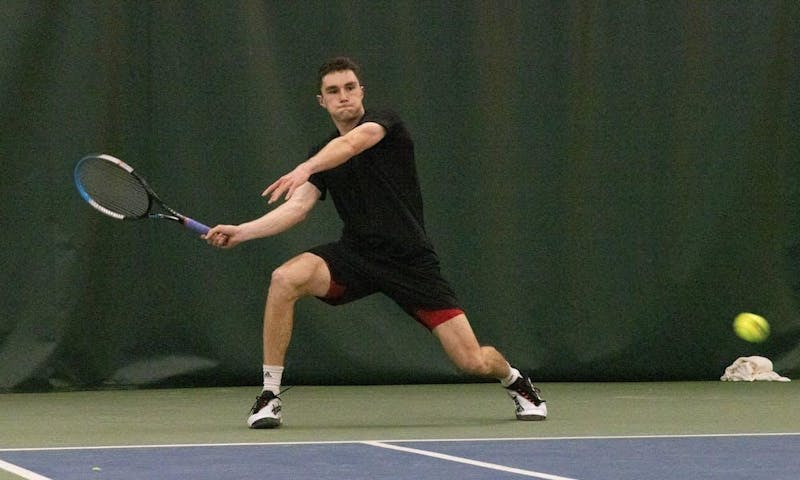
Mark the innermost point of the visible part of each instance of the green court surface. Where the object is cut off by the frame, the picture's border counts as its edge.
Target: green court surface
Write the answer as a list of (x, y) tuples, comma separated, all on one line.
[(402, 412)]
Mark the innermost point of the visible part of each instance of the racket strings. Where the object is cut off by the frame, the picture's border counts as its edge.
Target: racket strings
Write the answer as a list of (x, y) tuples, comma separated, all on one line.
[(113, 188)]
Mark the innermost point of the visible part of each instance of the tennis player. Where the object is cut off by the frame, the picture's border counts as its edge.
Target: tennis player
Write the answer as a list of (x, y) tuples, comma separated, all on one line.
[(367, 167)]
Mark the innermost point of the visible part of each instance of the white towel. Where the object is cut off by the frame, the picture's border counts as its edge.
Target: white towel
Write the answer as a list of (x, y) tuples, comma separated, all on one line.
[(748, 369)]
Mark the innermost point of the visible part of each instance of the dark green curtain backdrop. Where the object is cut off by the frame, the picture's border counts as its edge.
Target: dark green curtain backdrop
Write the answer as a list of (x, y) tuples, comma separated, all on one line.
[(608, 184)]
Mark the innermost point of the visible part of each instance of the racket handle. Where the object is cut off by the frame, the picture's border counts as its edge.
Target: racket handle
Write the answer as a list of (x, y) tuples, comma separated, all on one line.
[(194, 225)]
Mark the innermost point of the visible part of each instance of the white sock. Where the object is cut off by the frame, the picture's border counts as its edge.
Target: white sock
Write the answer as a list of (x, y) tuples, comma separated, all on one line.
[(512, 377), (272, 378)]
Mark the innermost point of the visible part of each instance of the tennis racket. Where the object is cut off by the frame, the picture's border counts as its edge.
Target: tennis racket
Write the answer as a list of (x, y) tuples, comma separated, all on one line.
[(112, 187)]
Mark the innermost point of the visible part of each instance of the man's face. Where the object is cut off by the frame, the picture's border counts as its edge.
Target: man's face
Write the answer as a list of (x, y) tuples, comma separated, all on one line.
[(342, 95)]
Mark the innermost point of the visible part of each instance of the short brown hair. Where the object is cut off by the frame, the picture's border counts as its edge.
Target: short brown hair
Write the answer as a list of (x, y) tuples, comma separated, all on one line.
[(338, 64)]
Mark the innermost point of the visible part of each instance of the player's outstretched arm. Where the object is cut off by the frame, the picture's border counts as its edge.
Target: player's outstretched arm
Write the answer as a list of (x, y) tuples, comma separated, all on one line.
[(282, 218)]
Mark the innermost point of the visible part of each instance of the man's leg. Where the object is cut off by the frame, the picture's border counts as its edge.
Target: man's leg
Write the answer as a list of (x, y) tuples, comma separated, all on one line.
[(304, 275), (461, 345)]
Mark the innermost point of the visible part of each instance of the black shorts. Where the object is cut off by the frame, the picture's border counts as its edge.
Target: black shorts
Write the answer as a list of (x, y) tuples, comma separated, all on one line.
[(414, 282)]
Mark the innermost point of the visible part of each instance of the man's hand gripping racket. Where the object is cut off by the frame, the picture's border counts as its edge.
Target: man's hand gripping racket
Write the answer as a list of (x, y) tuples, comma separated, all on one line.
[(112, 187)]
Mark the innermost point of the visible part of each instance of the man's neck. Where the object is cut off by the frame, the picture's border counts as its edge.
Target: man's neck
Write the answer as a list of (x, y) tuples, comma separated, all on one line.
[(344, 126)]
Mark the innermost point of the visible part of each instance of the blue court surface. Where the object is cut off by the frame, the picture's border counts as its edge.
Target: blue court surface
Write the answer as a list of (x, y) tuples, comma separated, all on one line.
[(750, 457)]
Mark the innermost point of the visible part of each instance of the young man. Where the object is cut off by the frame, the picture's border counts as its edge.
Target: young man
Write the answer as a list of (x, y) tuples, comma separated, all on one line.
[(368, 168)]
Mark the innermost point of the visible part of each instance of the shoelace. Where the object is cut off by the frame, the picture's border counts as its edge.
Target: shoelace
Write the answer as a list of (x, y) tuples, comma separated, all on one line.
[(261, 401), (532, 394)]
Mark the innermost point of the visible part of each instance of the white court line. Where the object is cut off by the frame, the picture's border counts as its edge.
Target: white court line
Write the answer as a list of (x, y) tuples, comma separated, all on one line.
[(19, 471), (397, 440), (474, 463), (28, 475)]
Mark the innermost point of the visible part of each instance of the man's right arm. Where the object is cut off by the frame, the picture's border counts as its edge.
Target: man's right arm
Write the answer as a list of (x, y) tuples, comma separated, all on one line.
[(278, 220)]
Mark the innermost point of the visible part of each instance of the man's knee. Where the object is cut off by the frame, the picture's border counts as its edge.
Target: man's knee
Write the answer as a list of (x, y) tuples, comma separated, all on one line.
[(474, 362), (302, 275), (283, 278)]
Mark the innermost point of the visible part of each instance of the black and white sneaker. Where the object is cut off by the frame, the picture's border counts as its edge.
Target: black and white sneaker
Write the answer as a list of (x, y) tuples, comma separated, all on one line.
[(266, 412), (527, 398)]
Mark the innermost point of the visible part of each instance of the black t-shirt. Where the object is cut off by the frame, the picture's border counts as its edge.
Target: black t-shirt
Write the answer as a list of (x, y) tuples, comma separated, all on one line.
[(377, 193)]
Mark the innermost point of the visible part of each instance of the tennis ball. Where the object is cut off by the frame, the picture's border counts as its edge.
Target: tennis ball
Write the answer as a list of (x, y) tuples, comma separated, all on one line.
[(751, 327)]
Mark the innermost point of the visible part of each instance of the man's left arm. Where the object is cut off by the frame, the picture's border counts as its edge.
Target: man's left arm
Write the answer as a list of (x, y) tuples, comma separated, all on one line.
[(336, 152)]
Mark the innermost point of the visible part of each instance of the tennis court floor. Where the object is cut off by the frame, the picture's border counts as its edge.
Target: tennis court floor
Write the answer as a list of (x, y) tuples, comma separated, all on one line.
[(692, 430)]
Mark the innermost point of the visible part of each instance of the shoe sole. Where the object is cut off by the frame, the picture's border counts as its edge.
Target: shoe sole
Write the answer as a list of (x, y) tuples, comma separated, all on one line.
[(531, 418), (263, 423)]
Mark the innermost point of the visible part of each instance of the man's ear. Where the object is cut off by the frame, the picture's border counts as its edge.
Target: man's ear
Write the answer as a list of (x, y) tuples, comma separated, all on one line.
[(319, 101)]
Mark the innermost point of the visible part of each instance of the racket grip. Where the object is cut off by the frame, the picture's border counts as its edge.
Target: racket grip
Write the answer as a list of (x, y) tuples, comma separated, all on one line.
[(196, 226)]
